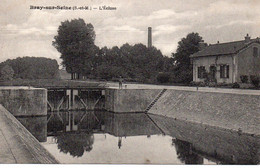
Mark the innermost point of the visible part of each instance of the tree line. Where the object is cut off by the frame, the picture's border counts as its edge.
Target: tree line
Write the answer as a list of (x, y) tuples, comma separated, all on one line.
[(76, 43), (131, 62), (29, 68)]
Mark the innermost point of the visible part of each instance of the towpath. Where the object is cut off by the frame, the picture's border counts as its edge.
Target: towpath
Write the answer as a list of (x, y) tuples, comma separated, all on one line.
[(200, 89), (17, 145)]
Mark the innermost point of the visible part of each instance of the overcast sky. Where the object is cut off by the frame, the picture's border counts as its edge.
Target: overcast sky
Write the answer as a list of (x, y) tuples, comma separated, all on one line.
[(25, 32)]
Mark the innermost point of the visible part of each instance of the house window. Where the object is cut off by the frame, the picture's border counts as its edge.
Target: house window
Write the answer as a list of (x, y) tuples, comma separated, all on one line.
[(255, 51), (201, 72), (224, 71)]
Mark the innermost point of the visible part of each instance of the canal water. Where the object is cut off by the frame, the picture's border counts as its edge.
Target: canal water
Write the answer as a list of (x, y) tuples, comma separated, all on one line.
[(105, 137)]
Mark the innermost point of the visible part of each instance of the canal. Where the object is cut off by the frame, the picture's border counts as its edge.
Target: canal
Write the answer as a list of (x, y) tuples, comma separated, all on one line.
[(96, 136)]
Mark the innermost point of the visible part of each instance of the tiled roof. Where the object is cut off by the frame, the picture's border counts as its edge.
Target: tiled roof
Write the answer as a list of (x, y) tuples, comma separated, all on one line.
[(223, 48)]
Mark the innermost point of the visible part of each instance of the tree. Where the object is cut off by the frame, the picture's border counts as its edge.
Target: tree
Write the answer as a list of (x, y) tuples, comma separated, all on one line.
[(7, 73), (145, 63), (186, 47), (75, 42)]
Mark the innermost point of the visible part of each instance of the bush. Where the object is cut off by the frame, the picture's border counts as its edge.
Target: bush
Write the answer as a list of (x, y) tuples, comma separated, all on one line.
[(193, 83), (255, 80), (163, 77), (223, 84), (212, 84), (183, 76), (199, 84), (235, 85), (244, 78), (202, 84)]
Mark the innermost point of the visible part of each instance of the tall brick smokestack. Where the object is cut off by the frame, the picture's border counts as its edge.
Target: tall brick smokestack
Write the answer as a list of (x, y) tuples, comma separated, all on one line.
[(149, 37)]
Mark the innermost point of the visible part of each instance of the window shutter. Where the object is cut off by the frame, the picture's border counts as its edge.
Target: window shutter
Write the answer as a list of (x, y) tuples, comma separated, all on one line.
[(227, 66), (198, 72), (221, 71)]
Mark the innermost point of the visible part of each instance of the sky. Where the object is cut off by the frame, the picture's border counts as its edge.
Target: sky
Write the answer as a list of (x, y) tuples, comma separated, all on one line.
[(30, 32)]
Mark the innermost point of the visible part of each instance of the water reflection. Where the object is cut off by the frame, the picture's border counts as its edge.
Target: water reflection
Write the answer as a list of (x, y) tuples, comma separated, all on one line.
[(75, 143), (185, 152), (76, 134), (73, 131), (37, 126), (73, 122), (130, 124), (218, 145)]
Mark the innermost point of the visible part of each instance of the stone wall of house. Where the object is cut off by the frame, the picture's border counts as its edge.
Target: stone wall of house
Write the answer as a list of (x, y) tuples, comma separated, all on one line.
[(247, 63), (213, 60)]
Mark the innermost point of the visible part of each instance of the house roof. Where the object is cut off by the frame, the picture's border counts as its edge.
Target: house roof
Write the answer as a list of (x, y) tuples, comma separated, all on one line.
[(223, 48)]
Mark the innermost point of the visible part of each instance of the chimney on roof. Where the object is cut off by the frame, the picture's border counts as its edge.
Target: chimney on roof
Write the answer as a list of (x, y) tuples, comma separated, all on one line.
[(149, 37), (202, 45), (247, 38)]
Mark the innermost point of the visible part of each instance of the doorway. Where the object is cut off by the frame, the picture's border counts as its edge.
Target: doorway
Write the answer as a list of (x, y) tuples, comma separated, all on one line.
[(213, 71)]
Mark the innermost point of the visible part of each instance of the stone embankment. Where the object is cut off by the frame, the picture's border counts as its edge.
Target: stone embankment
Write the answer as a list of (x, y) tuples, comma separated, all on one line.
[(129, 100), (233, 110), (18, 145)]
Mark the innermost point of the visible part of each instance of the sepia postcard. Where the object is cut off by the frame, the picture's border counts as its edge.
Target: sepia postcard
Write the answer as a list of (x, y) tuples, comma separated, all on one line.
[(168, 82)]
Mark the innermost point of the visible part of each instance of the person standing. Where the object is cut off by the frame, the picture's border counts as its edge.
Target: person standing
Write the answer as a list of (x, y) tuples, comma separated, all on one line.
[(120, 82)]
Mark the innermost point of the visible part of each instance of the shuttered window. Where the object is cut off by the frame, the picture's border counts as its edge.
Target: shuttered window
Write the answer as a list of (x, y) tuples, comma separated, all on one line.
[(224, 71), (201, 72)]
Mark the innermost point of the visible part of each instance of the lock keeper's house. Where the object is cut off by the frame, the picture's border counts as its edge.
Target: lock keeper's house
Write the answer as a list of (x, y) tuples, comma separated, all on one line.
[(226, 62)]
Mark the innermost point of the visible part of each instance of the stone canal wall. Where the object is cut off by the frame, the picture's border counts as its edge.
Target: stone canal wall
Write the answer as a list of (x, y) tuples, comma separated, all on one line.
[(24, 101), (226, 108), (18, 145), (129, 100), (235, 111)]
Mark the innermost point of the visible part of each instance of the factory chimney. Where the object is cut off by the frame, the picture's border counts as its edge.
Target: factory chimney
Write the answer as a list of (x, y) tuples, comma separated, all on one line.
[(149, 37)]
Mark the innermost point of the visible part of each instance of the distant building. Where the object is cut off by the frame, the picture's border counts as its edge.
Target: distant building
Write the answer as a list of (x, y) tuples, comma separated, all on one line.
[(75, 76), (63, 74), (226, 62)]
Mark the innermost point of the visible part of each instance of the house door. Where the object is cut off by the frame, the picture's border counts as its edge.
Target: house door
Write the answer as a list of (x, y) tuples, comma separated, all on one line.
[(213, 71)]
